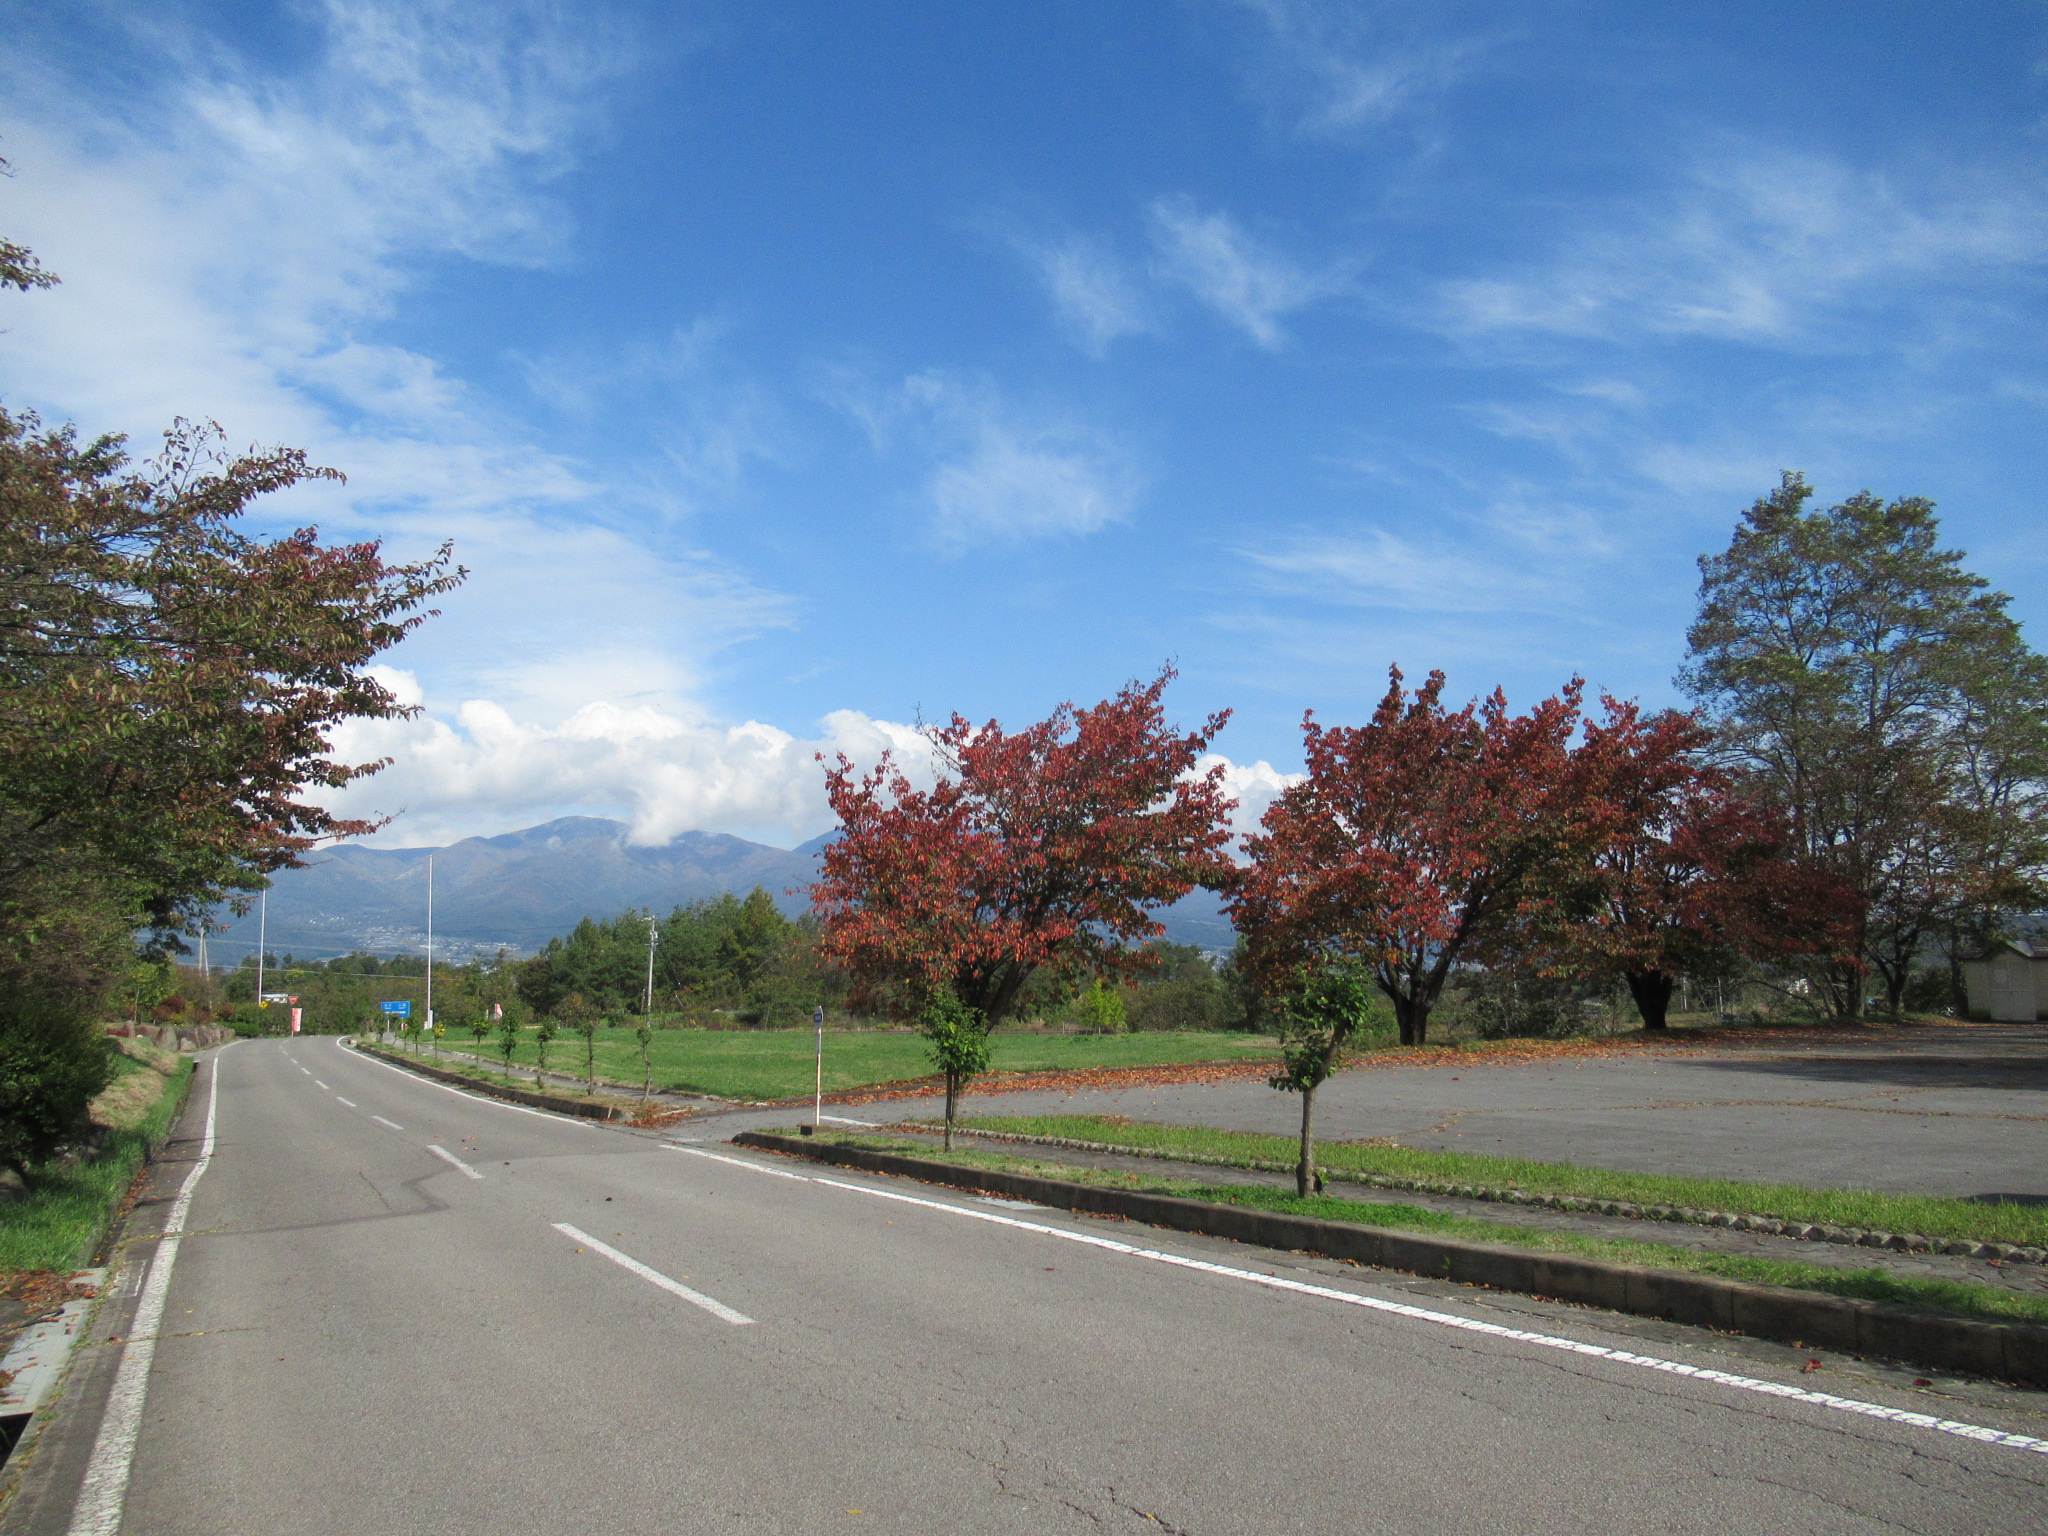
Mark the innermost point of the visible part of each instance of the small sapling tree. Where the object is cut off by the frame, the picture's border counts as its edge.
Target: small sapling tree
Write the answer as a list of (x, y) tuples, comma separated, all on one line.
[(584, 1021), (959, 1047), (1103, 1008), (508, 1040), (1317, 1020), (544, 1031), (480, 1027)]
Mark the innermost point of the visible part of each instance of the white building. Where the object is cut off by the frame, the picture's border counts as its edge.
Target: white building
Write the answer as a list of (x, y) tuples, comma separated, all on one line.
[(2009, 981)]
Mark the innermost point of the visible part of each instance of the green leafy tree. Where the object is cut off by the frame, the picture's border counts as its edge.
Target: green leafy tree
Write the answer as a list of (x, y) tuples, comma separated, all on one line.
[(1318, 1019), (959, 1044), (479, 1027), (1103, 1008), (508, 1040), (1879, 695)]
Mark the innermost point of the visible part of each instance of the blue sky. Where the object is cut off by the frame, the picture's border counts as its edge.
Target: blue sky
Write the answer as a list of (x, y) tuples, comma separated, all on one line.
[(786, 371)]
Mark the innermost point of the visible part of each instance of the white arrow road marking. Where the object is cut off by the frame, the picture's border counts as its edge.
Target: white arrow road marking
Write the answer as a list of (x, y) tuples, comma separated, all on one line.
[(449, 1157), (655, 1276)]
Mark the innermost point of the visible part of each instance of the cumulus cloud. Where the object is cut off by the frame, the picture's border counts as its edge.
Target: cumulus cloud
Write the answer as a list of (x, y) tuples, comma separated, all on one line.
[(1249, 286)]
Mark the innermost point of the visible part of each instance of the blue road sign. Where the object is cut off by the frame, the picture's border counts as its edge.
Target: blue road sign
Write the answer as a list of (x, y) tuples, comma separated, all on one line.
[(403, 1010)]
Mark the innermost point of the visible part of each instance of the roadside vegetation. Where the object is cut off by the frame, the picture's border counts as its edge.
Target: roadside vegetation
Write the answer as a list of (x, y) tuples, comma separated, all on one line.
[(71, 1201), (1865, 1284), (2002, 1222), (763, 1064)]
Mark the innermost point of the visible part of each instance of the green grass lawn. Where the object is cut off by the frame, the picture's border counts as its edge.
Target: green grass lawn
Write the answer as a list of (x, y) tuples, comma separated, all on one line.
[(61, 1222), (2021, 1225), (1867, 1284), (777, 1063)]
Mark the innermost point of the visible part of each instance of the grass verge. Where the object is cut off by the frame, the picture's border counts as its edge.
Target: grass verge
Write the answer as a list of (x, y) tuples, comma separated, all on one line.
[(757, 1064), (2002, 1222), (64, 1219), (1867, 1284)]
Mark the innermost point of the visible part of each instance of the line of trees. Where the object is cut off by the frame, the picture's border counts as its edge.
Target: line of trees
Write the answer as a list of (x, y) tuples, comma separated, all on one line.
[(1856, 799), (168, 684)]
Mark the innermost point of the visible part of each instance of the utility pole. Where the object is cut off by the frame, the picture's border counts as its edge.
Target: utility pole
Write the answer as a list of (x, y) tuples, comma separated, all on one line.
[(430, 943), (262, 942), (818, 1099), (653, 938)]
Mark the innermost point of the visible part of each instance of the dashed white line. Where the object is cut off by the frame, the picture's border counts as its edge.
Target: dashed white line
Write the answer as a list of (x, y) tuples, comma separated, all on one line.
[(323, 1085), (105, 1490), (1827, 1400), (655, 1276), (351, 1103), (738, 1162), (449, 1157), (392, 1123)]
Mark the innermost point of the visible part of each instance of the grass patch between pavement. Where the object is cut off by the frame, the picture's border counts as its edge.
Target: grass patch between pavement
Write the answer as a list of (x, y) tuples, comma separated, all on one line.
[(756, 1064), (60, 1223), (1928, 1215), (1866, 1284)]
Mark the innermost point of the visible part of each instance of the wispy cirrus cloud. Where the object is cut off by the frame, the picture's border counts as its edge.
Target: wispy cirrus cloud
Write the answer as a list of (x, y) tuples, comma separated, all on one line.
[(1092, 291), (1766, 248), (1245, 282), (1000, 471), (1339, 67)]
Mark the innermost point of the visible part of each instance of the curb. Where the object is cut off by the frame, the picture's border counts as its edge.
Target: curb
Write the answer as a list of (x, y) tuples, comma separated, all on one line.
[(579, 1107), (1774, 1226), (2016, 1352)]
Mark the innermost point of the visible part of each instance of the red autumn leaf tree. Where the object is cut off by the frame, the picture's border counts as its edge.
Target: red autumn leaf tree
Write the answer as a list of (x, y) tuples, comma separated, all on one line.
[(1413, 840), (1045, 848), (1687, 870)]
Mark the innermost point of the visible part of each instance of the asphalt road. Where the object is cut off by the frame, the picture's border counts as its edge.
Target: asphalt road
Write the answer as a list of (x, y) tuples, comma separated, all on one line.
[(359, 1335), (1961, 1111)]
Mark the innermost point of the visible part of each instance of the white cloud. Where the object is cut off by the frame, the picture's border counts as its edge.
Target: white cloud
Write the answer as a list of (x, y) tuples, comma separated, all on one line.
[(1764, 248), (1252, 288), (1343, 67), (1376, 568), (1000, 471), (231, 246), (1254, 786), (1090, 290)]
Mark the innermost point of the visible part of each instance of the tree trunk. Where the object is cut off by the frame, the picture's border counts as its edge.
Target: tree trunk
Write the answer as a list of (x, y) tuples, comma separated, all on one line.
[(1305, 1172), (1412, 1014), (1652, 992), (952, 1093)]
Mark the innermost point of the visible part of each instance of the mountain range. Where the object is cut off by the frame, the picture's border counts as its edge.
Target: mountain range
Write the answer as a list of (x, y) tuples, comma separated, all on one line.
[(517, 890)]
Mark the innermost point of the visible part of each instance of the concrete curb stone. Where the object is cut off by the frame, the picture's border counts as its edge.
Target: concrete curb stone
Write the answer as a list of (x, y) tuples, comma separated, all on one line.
[(579, 1107), (2016, 1352), (1904, 1242)]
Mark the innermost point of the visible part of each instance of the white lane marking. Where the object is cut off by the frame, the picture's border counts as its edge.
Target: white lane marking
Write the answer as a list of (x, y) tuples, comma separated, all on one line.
[(351, 1103), (321, 1084), (474, 1098), (842, 1120), (1493, 1330), (392, 1123), (739, 1162), (303, 1069), (449, 1157), (105, 1490), (656, 1277)]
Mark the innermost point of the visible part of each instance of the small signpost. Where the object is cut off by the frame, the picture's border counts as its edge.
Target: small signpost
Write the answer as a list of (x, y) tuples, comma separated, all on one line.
[(401, 1009), (818, 1101)]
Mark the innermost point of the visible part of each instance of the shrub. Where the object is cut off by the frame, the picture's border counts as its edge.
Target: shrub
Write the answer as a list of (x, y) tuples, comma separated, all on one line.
[(53, 1060)]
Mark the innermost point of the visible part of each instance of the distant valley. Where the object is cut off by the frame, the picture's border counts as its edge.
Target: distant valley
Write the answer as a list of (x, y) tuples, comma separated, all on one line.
[(518, 890)]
